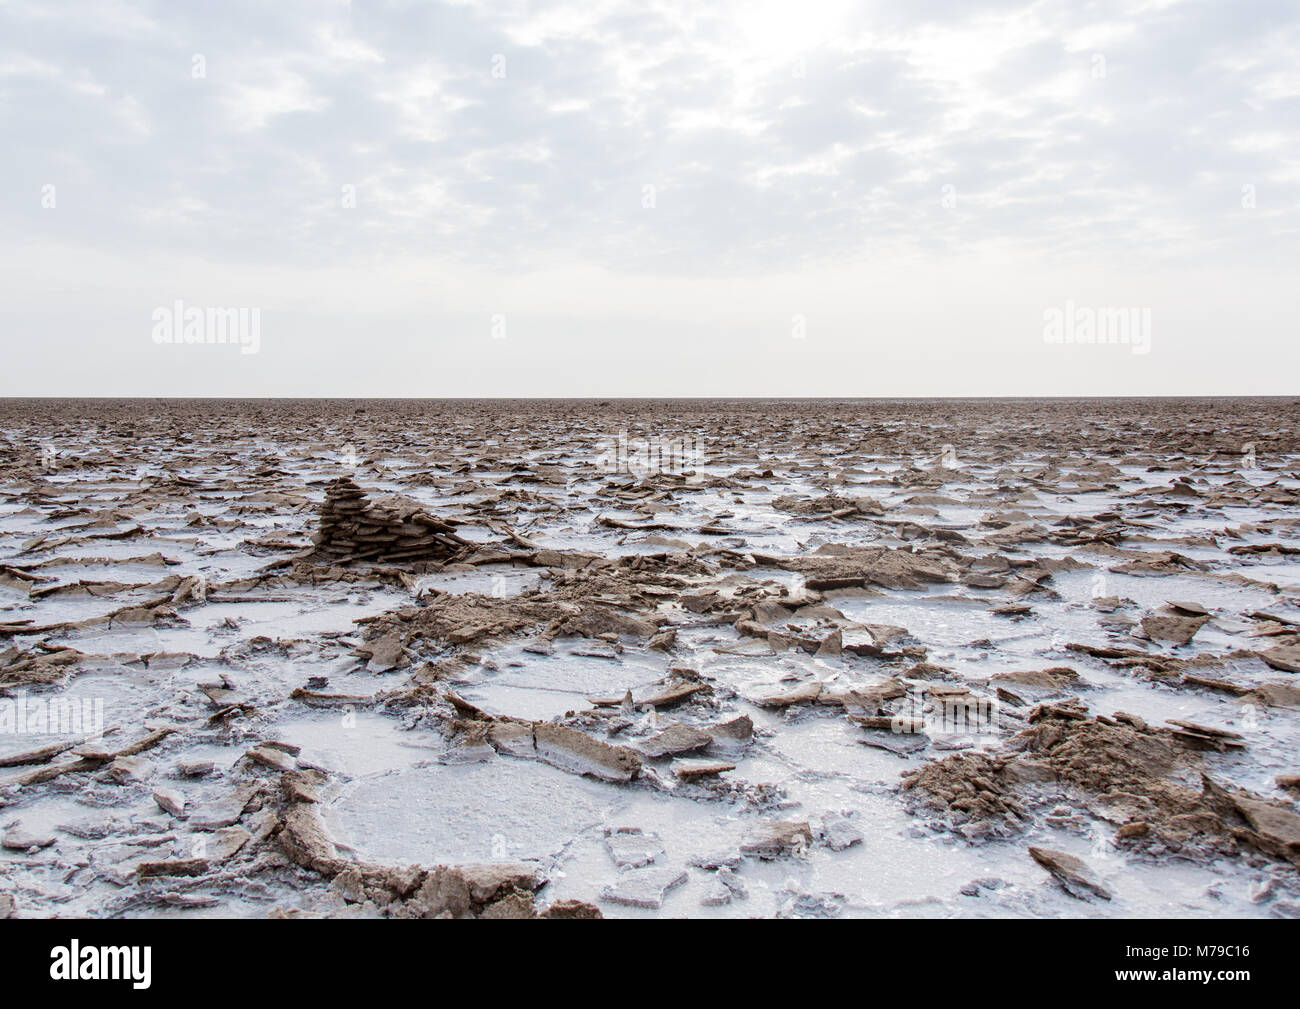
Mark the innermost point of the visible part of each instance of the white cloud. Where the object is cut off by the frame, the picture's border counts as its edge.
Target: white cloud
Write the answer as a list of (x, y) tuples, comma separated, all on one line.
[(783, 144)]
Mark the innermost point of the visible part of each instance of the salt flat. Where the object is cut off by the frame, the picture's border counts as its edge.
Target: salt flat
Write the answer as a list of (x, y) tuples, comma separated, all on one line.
[(681, 658)]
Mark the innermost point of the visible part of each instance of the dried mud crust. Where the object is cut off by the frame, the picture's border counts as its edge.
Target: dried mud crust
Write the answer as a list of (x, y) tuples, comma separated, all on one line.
[(1125, 771), (745, 641)]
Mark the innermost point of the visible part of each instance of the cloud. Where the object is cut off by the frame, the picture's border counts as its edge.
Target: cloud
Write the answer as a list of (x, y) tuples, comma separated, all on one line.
[(672, 140)]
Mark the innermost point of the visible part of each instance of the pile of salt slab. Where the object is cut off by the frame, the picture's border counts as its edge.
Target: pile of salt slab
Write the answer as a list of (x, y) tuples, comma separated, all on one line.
[(389, 528)]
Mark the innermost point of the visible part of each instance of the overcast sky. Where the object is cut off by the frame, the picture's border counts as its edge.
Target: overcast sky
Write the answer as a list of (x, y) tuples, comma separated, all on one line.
[(810, 198)]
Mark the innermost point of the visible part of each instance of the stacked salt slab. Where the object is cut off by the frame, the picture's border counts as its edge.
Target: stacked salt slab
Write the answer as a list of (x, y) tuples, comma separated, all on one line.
[(389, 528)]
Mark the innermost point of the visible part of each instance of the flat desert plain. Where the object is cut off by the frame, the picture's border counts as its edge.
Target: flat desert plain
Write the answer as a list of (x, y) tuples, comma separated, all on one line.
[(1000, 658)]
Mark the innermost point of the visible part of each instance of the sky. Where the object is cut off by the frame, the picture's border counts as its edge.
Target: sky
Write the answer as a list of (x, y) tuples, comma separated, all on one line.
[(758, 198)]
